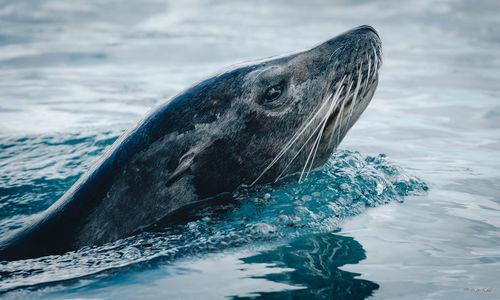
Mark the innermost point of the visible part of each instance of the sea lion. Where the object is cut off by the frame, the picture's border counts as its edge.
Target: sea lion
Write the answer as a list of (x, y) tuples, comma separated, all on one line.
[(253, 123)]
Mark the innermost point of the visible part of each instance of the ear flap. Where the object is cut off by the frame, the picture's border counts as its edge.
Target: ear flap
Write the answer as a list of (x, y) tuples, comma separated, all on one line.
[(183, 167)]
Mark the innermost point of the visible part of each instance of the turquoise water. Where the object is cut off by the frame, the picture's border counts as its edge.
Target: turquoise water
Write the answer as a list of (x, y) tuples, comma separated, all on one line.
[(407, 208)]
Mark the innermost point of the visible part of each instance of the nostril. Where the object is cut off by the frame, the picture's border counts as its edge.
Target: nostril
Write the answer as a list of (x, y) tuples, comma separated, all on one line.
[(368, 28)]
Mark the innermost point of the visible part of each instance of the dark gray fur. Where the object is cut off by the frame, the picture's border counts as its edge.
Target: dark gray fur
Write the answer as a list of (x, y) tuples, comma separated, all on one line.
[(210, 139)]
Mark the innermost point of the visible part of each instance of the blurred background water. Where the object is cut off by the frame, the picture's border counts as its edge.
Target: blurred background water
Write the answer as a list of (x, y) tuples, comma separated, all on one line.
[(407, 209)]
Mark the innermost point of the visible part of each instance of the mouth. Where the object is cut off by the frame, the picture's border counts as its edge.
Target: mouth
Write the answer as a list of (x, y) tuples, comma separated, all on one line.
[(333, 116), (333, 120), (355, 90), (351, 64)]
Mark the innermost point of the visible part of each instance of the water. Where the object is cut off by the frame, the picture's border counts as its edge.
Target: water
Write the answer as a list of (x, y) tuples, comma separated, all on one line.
[(407, 208)]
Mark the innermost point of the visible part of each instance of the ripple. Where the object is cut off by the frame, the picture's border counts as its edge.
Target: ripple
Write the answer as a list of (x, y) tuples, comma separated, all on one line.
[(347, 185), (55, 163)]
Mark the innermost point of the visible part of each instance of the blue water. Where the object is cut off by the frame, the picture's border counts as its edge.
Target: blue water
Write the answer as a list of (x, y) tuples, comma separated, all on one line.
[(407, 208)]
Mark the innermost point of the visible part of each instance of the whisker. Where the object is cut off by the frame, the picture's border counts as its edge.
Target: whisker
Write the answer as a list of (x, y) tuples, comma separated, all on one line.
[(318, 126), (320, 116), (319, 135), (294, 138), (377, 59), (368, 73), (337, 123), (340, 122), (340, 111), (353, 102), (351, 108), (317, 145), (325, 119)]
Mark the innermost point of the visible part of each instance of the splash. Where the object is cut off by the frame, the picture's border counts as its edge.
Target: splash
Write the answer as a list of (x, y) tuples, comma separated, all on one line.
[(346, 186)]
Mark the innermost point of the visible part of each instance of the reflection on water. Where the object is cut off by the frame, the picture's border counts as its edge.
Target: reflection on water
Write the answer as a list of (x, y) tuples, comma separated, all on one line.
[(305, 268), (75, 75), (315, 261), (348, 185)]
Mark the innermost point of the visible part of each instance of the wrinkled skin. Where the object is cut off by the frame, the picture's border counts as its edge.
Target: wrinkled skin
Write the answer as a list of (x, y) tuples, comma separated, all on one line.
[(224, 132)]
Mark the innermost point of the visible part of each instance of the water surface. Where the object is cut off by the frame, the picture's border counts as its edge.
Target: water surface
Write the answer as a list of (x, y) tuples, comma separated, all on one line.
[(408, 208)]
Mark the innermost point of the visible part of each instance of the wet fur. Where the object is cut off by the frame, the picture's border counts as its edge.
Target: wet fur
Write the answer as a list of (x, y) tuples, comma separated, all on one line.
[(210, 139)]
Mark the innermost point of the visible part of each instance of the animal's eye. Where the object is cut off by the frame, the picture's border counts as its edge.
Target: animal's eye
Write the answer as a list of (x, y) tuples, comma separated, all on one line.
[(273, 96), (273, 93)]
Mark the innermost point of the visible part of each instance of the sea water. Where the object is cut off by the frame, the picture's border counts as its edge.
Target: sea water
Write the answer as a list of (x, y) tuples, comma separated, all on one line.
[(406, 208)]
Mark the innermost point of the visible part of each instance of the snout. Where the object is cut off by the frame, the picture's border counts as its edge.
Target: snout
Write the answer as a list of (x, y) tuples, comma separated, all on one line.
[(364, 34), (348, 45), (365, 29)]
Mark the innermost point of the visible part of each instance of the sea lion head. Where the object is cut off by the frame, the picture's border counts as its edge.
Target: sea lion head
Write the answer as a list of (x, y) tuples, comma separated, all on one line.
[(285, 114)]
